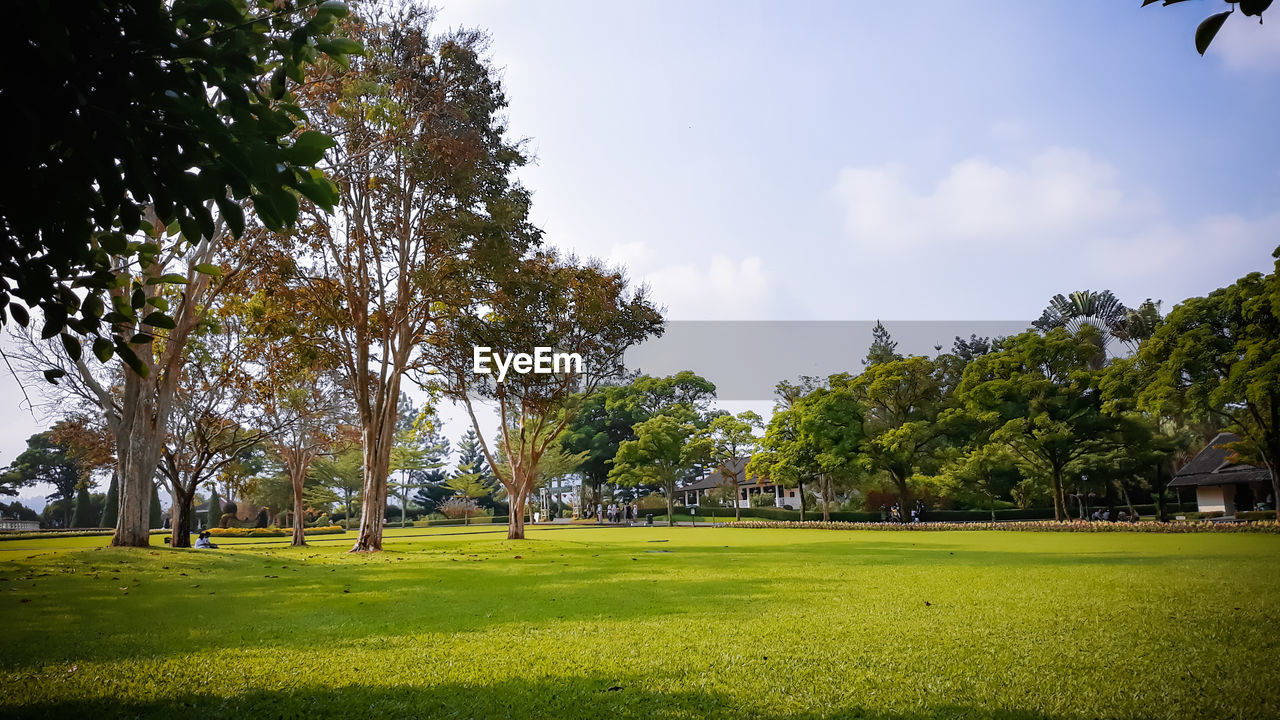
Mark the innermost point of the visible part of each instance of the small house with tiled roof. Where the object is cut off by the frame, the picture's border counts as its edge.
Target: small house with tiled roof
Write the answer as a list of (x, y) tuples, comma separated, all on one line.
[(1221, 484)]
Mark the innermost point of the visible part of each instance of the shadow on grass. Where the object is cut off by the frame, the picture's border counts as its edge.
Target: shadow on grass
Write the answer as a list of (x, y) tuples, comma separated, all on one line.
[(573, 697)]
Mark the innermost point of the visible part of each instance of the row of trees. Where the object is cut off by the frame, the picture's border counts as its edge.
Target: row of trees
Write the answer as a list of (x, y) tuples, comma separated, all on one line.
[(1049, 412), (370, 234)]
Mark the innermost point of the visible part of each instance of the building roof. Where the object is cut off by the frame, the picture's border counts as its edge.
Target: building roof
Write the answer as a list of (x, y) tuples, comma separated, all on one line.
[(715, 479), (1213, 466)]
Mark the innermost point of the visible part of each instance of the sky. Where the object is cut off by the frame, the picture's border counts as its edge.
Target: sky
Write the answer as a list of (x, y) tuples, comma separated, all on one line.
[(859, 160)]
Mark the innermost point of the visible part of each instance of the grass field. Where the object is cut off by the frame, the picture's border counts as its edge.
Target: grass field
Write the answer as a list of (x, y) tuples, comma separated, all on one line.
[(648, 622)]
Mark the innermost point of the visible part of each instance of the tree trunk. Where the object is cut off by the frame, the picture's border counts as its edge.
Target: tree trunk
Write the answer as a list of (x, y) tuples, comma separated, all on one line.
[(377, 459), (515, 517), (299, 517), (137, 466), (180, 521), (800, 484), (737, 509), (1059, 501)]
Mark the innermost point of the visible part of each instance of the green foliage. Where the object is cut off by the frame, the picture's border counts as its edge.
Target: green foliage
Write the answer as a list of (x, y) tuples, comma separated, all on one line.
[(883, 347), (83, 514), (112, 506), (164, 107), (44, 462), (213, 516), (665, 449), (1218, 358)]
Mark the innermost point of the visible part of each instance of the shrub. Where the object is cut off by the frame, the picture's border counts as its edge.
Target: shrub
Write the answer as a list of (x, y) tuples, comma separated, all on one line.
[(273, 531), (1253, 515), (1084, 526), (228, 520)]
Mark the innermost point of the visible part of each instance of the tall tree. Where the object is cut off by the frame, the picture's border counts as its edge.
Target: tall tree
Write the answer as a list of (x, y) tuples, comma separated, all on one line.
[(905, 404), (1039, 397), (144, 115), (111, 507), (666, 448), (342, 473), (427, 207), (49, 463), (587, 311), (1100, 310), (1218, 357), (733, 440), (883, 347)]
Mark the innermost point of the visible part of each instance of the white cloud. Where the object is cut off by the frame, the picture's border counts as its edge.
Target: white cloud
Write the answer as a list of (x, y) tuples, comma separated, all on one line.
[(983, 237), (1244, 44), (718, 288)]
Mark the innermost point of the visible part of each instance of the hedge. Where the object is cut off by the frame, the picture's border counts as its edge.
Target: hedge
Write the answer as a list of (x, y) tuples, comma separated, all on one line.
[(1082, 526), (272, 531), (847, 516)]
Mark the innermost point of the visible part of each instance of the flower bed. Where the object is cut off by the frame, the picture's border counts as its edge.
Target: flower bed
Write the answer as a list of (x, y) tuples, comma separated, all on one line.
[(273, 531), (1262, 526)]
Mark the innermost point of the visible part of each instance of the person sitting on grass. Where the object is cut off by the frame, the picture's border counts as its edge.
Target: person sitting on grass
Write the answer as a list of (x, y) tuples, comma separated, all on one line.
[(204, 543)]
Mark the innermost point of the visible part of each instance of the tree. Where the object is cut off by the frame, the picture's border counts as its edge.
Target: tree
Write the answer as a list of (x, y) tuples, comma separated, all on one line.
[(608, 417), (665, 449), (988, 470), (427, 208), (49, 463), (832, 428), (342, 473), (883, 347), (82, 516), (154, 516), (215, 418), (905, 417), (584, 310), (733, 437), (213, 516), (1039, 398), (1102, 311), (111, 507), (1218, 357), (1208, 28), (137, 116)]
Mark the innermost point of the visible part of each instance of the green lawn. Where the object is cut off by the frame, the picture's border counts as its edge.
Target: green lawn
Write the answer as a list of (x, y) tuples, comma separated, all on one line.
[(648, 622)]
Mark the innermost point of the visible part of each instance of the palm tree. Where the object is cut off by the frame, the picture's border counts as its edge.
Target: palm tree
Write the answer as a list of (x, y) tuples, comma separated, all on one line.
[(1101, 310)]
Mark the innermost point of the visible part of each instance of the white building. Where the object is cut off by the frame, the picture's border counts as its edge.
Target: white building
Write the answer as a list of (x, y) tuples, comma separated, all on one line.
[(748, 487), (1222, 485)]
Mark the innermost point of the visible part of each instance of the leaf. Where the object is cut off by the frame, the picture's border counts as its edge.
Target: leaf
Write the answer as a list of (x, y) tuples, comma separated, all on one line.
[(131, 359), (1209, 29), (103, 348), (209, 269), (339, 46), (114, 243), (1254, 7), (19, 313), (233, 214), (91, 307), (160, 320), (71, 345), (168, 279), (53, 374), (141, 339), (309, 148)]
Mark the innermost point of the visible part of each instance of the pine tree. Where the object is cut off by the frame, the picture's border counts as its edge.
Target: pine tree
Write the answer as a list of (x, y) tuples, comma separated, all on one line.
[(471, 458), (883, 347), (214, 516), (112, 509), (82, 517), (156, 515)]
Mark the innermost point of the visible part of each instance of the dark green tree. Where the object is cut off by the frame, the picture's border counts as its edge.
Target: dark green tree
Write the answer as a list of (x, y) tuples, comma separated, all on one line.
[(111, 508), (82, 515), (147, 109), (156, 518), (214, 516), (883, 347), (47, 462)]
